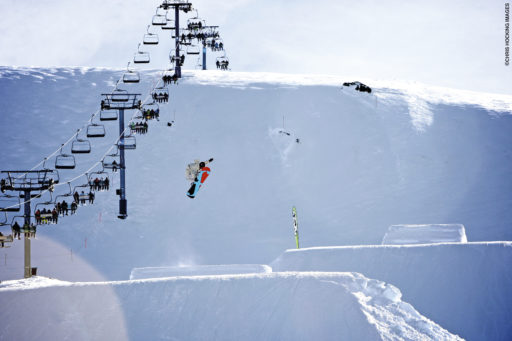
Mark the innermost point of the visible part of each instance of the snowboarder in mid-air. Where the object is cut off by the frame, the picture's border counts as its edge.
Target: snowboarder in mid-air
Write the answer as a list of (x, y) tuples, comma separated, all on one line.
[(197, 172)]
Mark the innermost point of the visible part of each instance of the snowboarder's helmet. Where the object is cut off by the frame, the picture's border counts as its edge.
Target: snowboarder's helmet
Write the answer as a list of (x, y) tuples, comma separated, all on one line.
[(201, 164)]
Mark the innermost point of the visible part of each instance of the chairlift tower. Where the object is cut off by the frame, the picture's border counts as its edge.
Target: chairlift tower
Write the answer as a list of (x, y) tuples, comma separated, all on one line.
[(178, 6), (26, 182), (213, 28), (204, 55), (121, 101)]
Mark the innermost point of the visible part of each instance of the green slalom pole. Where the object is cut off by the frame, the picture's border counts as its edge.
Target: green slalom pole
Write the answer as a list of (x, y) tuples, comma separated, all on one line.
[(295, 226)]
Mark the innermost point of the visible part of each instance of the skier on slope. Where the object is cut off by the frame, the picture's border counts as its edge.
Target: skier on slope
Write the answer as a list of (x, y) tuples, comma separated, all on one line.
[(197, 172)]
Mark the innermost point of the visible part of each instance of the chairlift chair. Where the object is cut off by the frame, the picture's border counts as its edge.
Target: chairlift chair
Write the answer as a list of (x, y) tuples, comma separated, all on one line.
[(138, 116), (48, 205), (64, 161), (95, 130), (169, 25), (220, 44), (65, 195), (111, 161), (193, 50), (10, 203), (160, 93), (151, 106), (47, 178), (138, 127), (78, 189), (223, 60), (98, 175), (211, 32), (80, 146), (119, 95), (20, 219), (48, 216), (159, 19), (195, 23), (6, 239), (151, 38), (172, 54), (151, 110), (108, 115), (129, 142), (208, 41), (169, 76), (169, 72), (172, 57), (141, 57), (183, 32), (131, 76)]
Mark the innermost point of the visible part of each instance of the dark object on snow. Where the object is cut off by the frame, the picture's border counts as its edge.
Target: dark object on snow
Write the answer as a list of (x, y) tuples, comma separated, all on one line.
[(359, 86)]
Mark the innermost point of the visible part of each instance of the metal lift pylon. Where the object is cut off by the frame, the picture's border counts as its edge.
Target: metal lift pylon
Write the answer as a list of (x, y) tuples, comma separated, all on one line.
[(28, 181), (121, 103), (178, 6)]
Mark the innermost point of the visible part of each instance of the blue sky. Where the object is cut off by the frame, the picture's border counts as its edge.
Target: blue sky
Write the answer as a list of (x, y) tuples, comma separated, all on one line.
[(453, 43)]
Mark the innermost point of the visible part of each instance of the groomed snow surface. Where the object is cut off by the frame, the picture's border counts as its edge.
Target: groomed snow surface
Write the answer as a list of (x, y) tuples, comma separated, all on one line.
[(198, 270), (425, 234), (463, 287), (272, 306), (353, 164)]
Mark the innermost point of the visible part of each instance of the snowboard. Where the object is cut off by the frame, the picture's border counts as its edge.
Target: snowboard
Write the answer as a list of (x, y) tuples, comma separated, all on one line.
[(198, 182)]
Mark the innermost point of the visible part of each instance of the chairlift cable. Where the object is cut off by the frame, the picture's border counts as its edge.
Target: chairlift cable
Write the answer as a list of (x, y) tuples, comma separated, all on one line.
[(115, 143), (71, 180), (65, 143), (72, 138), (75, 178), (155, 85)]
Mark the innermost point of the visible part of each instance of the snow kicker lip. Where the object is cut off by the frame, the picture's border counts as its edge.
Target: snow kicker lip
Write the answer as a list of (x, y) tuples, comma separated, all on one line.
[(305, 305)]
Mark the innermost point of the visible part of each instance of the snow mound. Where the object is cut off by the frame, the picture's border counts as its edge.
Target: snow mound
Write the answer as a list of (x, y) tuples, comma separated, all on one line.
[(465, 287), (197, 270), (425, 234), (280, 306), (30, 283)]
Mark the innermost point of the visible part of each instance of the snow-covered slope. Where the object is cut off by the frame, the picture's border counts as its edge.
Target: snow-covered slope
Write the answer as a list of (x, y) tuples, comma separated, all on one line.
[(463, 287), (402, 155), (279, 306), (352, 163)]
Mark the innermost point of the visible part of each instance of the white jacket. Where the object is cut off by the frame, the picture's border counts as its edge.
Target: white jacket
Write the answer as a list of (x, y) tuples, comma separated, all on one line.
[(193, 169)]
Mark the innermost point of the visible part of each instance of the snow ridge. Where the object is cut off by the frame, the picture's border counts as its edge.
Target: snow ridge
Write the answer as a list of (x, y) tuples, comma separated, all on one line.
[(403, 154), (285, 306)]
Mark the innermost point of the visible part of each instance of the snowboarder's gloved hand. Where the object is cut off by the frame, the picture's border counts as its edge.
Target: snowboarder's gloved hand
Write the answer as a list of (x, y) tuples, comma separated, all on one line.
[(210, 160)]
